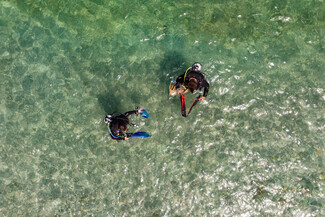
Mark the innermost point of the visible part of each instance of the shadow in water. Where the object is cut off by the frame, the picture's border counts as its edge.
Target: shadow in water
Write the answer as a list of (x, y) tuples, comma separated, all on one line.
[(171, 66), (109, 102), (113, 103)]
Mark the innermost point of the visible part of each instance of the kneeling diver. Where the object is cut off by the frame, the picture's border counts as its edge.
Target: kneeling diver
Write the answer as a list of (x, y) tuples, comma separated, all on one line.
[(117, 125), (191, 80)]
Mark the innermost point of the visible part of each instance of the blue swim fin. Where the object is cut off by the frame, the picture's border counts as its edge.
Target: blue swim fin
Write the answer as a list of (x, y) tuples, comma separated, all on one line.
[(144, 113), (140, 134)]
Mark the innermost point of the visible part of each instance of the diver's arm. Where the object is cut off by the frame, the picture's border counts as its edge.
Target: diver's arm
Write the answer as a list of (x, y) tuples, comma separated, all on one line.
[(179, 81), (206, 85), (131, 113), (128, 135)]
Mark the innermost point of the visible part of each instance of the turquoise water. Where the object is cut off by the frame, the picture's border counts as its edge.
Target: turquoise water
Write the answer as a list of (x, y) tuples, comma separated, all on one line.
[(254, 148)]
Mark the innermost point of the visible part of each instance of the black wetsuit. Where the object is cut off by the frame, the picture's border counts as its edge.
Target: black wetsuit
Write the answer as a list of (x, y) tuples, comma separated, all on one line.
[(201, 82), (120, 120)]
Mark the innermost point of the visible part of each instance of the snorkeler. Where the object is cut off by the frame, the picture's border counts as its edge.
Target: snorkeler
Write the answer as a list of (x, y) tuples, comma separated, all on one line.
[(191, 80), (117, 126)]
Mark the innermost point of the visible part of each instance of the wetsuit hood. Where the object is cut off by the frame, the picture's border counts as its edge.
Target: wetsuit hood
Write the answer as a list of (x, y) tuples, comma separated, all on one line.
[(196, 67)]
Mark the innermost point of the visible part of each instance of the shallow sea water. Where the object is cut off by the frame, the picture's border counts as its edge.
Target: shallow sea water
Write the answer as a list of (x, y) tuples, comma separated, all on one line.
[(254, 148)]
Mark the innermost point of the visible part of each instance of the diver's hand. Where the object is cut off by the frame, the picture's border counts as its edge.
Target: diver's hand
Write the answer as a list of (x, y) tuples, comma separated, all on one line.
[(139, 110), (202, 98), (126, 138)]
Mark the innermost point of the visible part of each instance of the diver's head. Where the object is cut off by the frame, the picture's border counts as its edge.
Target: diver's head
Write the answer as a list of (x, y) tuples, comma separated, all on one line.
[(196, 67), (122, 128), (192, 85), (108, 119)]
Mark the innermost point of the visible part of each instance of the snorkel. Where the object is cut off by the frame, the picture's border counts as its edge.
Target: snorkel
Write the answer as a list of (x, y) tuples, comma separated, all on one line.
[(108, 119)]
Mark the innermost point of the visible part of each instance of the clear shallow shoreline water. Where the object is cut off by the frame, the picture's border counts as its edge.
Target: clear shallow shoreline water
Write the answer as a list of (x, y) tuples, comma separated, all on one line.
[(255, 148)]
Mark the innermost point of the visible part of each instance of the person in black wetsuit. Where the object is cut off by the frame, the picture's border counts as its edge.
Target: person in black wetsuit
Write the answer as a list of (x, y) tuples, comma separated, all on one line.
[(191, 80), (118, 125), (194, 80)]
